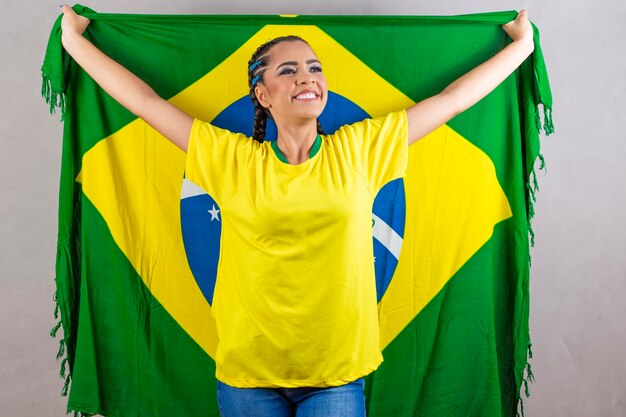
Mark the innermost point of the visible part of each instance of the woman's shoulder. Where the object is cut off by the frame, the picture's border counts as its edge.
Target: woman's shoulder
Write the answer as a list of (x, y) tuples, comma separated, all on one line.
[(221, 141), (204, 128), (207, 130), (368, 126)]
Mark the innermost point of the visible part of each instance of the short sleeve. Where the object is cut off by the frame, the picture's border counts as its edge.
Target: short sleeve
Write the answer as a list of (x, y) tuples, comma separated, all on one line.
[(217, 158), (376, 147)]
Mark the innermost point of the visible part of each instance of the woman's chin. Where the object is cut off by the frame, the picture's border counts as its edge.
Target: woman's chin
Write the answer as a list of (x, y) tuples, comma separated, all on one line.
[(302, 113), (312, 112)]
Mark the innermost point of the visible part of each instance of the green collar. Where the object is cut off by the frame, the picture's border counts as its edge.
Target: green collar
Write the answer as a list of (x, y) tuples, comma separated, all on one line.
[(314, 149)]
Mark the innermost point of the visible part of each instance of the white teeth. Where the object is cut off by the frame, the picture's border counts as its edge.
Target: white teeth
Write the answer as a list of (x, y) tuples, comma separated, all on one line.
[(305, 96)]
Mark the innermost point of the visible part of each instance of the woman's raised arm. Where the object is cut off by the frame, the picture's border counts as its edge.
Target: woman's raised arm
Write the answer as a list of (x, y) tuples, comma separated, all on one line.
[(124, 86), (429, 114)]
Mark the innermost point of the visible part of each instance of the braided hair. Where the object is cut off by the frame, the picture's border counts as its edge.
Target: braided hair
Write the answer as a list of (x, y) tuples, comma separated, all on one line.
[(256, 69)]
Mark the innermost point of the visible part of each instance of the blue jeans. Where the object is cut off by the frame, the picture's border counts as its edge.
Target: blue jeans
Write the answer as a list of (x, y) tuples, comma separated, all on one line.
[(343, 401)]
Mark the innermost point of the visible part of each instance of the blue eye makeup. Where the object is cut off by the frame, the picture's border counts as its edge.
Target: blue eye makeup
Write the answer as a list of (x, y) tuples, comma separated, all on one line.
[(292, 70)]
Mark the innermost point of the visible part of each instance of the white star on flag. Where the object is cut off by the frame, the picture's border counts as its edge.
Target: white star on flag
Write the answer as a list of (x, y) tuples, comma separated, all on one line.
[(214, 212)]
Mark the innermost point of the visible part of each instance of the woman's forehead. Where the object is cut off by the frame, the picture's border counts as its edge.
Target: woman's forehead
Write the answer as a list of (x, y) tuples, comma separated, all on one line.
[(291, 51)]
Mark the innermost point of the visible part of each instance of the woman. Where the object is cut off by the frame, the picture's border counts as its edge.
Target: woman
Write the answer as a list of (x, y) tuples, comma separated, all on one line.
[(295, 301)]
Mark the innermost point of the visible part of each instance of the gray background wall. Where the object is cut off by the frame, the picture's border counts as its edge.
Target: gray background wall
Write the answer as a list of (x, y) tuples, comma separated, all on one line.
[(578, 288)]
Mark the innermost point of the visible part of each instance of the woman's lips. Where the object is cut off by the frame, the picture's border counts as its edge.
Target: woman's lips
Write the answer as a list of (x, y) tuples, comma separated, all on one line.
[(306, 96)]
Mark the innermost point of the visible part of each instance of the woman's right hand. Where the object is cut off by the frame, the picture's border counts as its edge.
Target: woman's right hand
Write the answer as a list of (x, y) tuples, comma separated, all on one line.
[(72, 24)]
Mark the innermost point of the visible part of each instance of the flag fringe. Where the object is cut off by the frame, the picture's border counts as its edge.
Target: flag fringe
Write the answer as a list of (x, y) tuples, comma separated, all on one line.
[(532, 185), (76, 413), (54, 98), (530, 377), (62, 352), (548, 126)]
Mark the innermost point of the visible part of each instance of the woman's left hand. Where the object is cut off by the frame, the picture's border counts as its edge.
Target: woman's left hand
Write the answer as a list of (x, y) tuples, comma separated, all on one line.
[(520, 29)]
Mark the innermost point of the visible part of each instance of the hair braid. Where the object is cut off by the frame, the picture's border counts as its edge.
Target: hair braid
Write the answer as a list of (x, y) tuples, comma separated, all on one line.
[(256, 68)]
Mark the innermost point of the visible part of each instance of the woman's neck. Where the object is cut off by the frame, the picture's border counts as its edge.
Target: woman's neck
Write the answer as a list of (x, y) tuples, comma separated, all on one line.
[(295, 141)]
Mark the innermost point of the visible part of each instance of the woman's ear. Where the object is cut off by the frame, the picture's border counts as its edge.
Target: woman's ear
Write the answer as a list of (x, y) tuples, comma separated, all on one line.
[(261, 94)]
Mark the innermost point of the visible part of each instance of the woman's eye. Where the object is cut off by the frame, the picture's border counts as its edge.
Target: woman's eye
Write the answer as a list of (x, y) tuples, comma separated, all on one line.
[(286, 71)]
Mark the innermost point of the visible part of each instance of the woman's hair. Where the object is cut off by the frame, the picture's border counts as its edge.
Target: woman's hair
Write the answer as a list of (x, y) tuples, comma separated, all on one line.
[(256, 68)]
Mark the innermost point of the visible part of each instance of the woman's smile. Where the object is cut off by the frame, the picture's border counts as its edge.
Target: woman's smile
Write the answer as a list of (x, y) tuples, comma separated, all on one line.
[(307, 95)]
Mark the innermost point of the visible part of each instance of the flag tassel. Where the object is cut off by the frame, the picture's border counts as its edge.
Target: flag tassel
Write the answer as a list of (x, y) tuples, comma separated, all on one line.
[(530, 377), (62, 352), (521, 405), (548, 126), (55, 99)]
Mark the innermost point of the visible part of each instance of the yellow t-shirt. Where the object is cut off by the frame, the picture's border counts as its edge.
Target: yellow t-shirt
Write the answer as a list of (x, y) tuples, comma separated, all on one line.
[(295, 296)]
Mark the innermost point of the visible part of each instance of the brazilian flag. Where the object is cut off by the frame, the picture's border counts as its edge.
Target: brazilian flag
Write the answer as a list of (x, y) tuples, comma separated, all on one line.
[(138, 244)]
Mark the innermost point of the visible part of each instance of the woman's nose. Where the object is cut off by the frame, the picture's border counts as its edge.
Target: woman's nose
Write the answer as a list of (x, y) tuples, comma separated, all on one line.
[(305, 79)]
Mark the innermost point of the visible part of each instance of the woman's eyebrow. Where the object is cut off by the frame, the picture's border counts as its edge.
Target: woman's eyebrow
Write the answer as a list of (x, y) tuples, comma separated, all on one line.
[(310, 61)]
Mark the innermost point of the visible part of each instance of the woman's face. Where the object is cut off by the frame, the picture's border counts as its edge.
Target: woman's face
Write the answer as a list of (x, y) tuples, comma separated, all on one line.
[(293, 86)]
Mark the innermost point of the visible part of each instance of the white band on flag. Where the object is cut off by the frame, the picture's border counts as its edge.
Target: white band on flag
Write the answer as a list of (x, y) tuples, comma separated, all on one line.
[(189, 189), (387, 236)]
